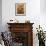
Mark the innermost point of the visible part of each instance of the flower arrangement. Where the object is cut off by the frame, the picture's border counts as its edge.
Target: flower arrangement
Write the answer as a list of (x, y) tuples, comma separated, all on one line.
[(40, 34)]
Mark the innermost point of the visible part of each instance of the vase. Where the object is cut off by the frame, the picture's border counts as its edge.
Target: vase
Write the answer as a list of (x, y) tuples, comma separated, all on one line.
[(41, 43)]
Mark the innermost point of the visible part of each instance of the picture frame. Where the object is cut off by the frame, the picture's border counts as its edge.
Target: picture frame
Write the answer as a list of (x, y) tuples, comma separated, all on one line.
[(20, 9)]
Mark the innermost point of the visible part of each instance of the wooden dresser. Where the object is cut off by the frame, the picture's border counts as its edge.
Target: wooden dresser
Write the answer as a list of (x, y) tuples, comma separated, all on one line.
[(22, 33)]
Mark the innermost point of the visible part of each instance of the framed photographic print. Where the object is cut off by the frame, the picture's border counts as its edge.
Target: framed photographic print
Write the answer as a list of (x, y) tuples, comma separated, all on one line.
[(20, 9)]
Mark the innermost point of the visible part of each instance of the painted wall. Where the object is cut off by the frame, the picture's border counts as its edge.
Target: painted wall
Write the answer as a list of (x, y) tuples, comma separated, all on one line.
[(43, 6), (43, 14), (0, 15), (33, 13)]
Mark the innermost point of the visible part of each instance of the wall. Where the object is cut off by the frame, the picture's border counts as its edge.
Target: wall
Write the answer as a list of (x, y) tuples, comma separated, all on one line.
[(43, 14), (33, 13), (0, 15), (43, 6)]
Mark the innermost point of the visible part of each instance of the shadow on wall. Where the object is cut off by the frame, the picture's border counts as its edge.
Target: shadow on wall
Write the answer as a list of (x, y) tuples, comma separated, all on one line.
[(43, 6), (0, 15)]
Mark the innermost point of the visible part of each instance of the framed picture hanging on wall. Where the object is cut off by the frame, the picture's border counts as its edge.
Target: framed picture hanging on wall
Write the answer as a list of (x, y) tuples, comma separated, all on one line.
[(20, 9)]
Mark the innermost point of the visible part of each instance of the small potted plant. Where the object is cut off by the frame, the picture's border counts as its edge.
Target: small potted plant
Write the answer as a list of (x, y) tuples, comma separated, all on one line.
[(41, 36)]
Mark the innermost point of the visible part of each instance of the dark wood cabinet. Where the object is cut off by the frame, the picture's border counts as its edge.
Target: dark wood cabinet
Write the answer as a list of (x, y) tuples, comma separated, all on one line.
[(22, 33)]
